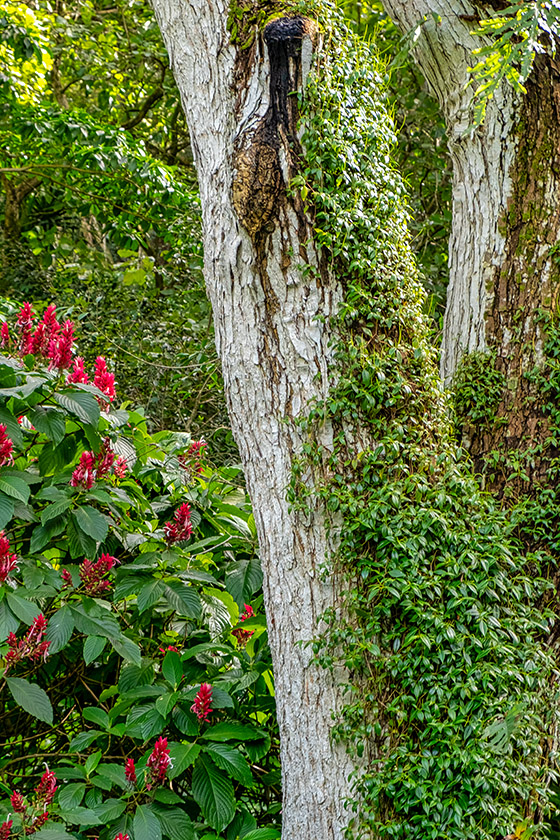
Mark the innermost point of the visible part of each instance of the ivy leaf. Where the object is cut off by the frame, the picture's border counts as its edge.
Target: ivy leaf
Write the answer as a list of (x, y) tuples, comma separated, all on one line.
[(146, 825), (229, 759), (31, 698), (83, 405), (60, 629), (214, 793), (91, 522)]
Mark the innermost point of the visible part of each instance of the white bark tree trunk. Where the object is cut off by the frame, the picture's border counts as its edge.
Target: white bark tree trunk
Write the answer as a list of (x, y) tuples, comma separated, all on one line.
[(274, 352), (481, 164), (504, 274)]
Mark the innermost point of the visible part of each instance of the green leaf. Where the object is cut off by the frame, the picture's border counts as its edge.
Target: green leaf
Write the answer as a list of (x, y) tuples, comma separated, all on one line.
[(97, 716), (182, 756), (8, 622), (150, 594), (126, 648), (168, 797), (60, 629), (53, 834), (91, 522), (49, 421), (12, 426), (70, 796), (84, 740), (93, 647), (80, 403), (31, 698), (113, 772), (15, 487), (244, 579), (79, 543), (109, 810), (26, 611), (262, 834), (183, 599), (214, 793), (174, 822), (80, 816), (233, 731), (146, 825), (229, 759), (93, 624), (172, 668), (6, 510), (55, 510)]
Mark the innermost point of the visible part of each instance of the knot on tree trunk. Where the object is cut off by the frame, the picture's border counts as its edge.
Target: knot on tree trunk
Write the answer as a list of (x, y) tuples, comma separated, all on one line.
[(266, 160)]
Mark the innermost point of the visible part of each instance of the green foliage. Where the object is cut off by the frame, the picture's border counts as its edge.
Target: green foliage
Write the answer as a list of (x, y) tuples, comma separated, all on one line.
[(440, 627), (518, 32), (138, 616), (477, 389)]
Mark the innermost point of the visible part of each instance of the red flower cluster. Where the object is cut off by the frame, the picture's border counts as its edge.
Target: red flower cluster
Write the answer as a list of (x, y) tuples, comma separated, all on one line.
[(18, 802), (192, 458), (5, 829), (181, 528), (202, 705), (122, 837), (240, 634), (169, 647), (105, 381), (31, 646), (66, 577), (49, 339), (130, 771), (8, 562), (78, 372), (6, 447), (46, 789), (158, 764), (92, 574), (37, 823), (93, 467)]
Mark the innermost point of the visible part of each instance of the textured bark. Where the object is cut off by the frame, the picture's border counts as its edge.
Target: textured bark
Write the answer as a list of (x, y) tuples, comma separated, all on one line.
[(503, 268), (274, 350)]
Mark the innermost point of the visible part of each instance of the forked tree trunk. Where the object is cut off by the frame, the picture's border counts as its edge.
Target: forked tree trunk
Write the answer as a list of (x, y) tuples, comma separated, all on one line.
[(272, 333), (504, 268)]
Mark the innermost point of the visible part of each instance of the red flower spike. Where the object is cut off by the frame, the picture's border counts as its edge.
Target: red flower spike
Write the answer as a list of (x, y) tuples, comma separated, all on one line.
[(105, 381), (4, 335), (6, 829), (47, 787), (78, 372), (8, 562), (122, 837), (60, 351), (67, 578), (130, 771), (18, 802), (37, 823), (6, 447), (92, 574), (202, 705), (180, 528), (158, 764), (24, 326), (120, 467)]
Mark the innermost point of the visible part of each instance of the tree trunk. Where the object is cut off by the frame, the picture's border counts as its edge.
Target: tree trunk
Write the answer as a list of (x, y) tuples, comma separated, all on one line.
[(272, 333), (504, 269)]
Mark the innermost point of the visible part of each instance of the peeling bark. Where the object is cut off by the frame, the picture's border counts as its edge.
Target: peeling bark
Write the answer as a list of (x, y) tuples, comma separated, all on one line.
[(272, 333)]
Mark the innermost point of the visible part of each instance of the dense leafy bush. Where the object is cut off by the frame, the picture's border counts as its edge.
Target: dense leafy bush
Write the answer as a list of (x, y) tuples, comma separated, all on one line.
[(136, 682)]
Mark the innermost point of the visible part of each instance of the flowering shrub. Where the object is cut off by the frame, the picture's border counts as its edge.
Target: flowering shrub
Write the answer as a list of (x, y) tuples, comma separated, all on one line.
[(125, 566)]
